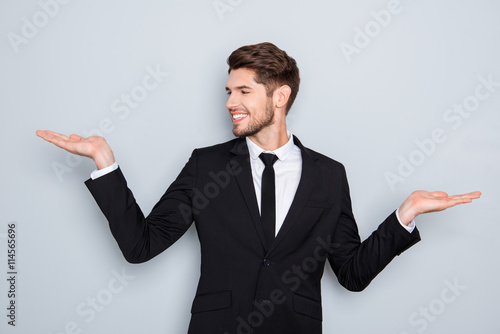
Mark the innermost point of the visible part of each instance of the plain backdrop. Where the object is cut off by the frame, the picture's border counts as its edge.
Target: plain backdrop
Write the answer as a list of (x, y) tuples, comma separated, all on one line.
[(406, 94)]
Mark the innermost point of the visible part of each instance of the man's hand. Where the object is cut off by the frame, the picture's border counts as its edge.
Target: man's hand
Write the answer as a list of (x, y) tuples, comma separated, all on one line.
[(93, 147), (423, 201)]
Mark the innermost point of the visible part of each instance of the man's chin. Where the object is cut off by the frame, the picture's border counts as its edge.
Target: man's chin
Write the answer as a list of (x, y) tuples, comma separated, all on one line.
[(239, 134), (244, 133), (250, 131)]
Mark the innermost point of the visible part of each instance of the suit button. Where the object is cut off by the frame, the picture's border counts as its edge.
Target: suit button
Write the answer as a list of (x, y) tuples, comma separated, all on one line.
[(266, 262)]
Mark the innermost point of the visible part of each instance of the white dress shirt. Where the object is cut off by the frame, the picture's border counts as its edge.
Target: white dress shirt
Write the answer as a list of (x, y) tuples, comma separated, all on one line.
[(287, 171)]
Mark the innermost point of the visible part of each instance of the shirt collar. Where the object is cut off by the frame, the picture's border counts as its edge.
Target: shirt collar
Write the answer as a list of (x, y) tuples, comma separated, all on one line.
[(282, 152)]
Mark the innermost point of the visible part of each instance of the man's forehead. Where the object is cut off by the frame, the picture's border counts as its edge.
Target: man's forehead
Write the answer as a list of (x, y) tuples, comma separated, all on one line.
[(241, 77)]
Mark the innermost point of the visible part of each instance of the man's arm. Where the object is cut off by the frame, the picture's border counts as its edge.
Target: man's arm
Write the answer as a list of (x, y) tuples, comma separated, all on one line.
[(140, 238), (357, 263)]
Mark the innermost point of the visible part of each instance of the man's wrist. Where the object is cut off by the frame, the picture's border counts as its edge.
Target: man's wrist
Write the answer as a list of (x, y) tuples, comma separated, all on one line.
[(405, 211), (103, 156), (410, 226), (101, 172)]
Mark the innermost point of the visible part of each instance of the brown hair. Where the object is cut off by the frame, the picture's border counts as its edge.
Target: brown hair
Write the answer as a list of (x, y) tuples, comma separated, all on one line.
[(272, 66)]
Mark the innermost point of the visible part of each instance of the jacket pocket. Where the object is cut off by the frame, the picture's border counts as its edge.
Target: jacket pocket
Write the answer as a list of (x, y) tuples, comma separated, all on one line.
[(307, 306), (211, 301)]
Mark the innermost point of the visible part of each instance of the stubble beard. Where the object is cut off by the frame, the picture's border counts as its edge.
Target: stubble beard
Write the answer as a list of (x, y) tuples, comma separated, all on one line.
[(256, 125)]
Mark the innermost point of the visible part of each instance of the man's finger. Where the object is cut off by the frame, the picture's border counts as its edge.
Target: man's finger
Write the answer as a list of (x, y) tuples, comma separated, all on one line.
[(58, 135), (472, 195), (54, 138), (462, 199), (46, 134)]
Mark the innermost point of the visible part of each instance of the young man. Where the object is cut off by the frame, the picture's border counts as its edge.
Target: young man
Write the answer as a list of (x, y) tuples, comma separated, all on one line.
[(266, 223)]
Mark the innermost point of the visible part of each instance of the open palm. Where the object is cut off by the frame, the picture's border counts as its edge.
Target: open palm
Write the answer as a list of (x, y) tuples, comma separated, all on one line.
[(93, 147), (424, 201)]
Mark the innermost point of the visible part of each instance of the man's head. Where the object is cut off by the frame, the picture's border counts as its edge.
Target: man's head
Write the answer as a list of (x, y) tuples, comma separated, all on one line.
[(272, 67), (262, 85)]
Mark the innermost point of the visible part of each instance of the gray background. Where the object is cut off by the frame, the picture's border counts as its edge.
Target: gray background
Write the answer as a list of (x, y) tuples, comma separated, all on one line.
[(366, 111)]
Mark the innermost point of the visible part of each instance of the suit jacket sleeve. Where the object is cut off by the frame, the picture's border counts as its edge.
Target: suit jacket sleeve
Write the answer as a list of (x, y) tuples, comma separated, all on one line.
[(357, 263), (141, 238)]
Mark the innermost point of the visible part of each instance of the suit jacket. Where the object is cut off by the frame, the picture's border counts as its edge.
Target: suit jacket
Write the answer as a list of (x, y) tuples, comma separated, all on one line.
[(246, 286)]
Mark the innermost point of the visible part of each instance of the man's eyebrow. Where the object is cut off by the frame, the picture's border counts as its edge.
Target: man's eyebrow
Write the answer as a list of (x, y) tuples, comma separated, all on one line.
[(240, 87)]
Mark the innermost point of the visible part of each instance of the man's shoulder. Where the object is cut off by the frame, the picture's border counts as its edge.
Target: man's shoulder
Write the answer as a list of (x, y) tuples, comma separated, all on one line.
[(320, 158), (220, 152), (219, 148), (325, 160)]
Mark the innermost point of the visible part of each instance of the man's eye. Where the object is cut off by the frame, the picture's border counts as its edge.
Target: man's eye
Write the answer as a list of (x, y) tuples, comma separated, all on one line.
[(228, 93), (244, 92)]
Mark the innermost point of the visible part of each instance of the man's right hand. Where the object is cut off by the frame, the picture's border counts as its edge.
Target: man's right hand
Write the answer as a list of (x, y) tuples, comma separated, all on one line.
[(93, 147)]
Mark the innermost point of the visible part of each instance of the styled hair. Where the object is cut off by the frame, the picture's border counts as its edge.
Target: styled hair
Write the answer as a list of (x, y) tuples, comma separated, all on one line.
[(273, 67)]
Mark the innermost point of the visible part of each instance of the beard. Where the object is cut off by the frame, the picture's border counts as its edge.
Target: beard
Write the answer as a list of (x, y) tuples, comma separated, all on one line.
[(256, 124)]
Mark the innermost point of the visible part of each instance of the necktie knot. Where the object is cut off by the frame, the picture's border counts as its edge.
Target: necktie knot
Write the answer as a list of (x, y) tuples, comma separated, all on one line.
[(268, 159)]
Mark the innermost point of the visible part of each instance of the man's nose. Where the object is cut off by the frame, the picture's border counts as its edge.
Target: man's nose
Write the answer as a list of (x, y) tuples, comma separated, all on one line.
[(232, 102)]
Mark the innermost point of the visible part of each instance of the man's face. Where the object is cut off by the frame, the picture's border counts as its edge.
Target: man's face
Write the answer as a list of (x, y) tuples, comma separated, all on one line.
[(250, 108)]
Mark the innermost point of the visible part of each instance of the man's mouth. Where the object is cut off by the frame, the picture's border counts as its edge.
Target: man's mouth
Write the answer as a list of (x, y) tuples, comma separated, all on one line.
[(238, 117)]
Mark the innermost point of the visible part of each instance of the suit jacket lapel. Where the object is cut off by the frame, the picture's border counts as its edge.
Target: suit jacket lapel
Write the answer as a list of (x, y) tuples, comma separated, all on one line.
[(241, 162), (306, 185)]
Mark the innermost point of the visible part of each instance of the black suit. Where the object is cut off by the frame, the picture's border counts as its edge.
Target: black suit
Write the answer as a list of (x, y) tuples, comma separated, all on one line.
[(242, 284)]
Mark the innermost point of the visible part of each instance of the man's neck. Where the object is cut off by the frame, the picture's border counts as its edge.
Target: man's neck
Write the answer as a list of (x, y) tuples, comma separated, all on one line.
[(270, 138)]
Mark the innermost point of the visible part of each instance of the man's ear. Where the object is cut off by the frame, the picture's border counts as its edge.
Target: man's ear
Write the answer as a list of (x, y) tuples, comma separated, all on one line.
[(282, 94)]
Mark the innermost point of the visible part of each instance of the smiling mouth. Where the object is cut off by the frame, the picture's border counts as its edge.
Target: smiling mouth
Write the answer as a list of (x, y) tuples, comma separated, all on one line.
[(238, 117)]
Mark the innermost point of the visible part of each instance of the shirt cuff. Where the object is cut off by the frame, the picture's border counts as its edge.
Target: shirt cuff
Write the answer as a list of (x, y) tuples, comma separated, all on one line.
[(411, 225), (101, 172)]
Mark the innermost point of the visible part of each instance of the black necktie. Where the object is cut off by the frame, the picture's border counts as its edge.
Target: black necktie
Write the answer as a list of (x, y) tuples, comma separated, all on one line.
[(268, 199)]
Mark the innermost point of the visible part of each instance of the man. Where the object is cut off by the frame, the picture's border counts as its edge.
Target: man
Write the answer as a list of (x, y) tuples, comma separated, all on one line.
[(266, 223)]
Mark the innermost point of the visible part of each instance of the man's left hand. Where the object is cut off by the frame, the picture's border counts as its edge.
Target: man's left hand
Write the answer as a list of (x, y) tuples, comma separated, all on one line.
[(423, 202)]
